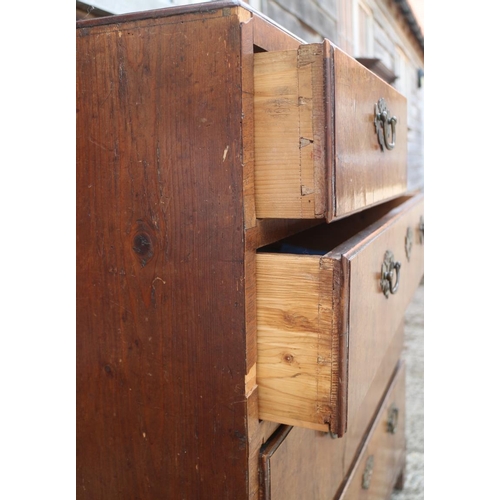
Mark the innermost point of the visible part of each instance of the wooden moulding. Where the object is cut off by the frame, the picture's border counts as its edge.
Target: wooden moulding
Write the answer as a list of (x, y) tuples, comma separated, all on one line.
[(323, 322), (316, 149)]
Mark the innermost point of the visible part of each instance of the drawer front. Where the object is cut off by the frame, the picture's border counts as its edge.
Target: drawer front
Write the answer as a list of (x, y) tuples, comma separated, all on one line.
[(318, 152), (299, 463), (382, 457), (373, 316), (365, 173), (324, 323)]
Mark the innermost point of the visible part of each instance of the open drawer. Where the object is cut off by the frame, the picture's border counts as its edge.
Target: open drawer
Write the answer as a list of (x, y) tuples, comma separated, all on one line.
[(328, 303), (330, 135)]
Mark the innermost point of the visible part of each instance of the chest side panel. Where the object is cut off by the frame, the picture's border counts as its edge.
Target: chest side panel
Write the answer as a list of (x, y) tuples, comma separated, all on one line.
[(160, 308)]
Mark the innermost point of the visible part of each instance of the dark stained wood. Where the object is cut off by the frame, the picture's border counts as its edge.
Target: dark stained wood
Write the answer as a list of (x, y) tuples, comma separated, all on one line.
[(197, 8), (161, 408), (321, 236)]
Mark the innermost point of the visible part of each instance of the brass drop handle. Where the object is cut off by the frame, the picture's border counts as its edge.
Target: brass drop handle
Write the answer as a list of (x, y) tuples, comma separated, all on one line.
[(368, 472), (392, 420), (388, 282), (385, 125)]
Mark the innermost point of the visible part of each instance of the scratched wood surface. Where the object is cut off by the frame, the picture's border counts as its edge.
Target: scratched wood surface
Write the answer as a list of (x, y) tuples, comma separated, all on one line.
[(161, 409)]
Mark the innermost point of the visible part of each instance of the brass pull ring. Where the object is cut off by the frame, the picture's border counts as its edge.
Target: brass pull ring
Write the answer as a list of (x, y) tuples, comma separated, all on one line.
[(385, 125), (387, 281)]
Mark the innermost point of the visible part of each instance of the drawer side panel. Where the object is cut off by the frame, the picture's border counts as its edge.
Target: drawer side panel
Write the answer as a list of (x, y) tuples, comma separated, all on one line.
[(294, 341), (283, 186)]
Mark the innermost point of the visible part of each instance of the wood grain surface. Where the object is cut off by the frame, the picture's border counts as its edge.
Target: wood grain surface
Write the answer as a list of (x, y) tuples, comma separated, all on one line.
[(309, 308), (363, 174), (300, 463), (279, 170), (258, 34), (372, 316), (161, 407), (167, 234), (316, 149), (296, 351), (379, 464)]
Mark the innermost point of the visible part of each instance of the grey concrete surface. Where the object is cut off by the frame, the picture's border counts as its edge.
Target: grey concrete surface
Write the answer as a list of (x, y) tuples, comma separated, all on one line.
[(413, 354)]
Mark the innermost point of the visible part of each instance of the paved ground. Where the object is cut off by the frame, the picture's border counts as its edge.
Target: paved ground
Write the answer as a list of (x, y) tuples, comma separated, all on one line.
[(414, 356)]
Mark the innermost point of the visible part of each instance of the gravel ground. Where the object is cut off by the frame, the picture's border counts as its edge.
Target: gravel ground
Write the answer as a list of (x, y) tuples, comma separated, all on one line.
[(414, 356)]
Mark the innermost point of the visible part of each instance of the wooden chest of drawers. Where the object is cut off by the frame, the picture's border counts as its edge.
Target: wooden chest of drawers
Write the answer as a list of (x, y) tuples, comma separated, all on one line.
[(228, 325)]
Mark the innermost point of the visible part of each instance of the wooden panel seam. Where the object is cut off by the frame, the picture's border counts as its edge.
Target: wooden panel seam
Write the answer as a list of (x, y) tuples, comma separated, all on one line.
[(330, 173)]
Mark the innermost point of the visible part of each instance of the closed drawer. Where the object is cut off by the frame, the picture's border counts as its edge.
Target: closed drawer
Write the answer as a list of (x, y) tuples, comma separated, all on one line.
[(325, 319), (317, 148), (382, 457), (298, 463)]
